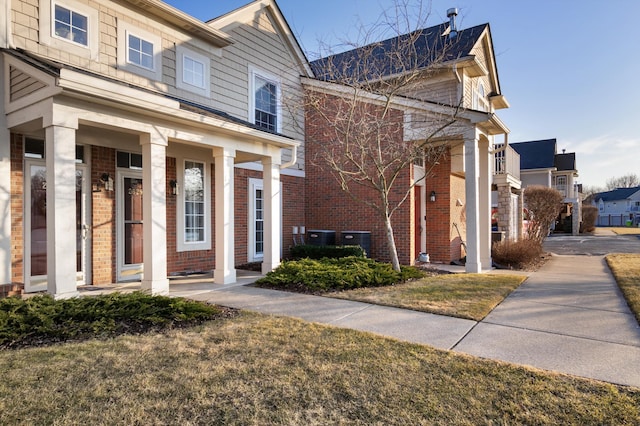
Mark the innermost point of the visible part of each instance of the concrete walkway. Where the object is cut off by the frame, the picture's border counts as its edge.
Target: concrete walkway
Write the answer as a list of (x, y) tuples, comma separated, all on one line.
[(568, 317)]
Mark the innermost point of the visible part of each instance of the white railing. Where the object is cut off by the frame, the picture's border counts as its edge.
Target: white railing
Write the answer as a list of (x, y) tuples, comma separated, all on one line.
[(507, 161)]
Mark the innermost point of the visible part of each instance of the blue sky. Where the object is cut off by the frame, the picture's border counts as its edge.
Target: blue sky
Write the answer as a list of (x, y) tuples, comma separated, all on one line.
[(567, 67)]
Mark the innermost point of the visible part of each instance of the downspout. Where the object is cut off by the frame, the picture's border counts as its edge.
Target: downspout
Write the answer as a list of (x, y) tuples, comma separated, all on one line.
[(294, 158)]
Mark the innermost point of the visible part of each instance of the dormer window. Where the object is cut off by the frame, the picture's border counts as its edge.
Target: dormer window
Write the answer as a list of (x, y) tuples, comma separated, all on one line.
[(71, 25), (480, 102), (264, 108)]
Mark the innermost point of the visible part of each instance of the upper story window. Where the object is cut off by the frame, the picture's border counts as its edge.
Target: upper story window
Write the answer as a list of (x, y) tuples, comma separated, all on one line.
[(139, 51), (193, 71), (71, 25), (265, 101), (480, 102)]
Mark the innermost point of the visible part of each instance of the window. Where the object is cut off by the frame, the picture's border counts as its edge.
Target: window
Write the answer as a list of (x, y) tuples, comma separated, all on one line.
[(479, 99), (561, 184), (140, 52), (194, 217), (193, 71), (129, 160), (193, 201), (256, 220), (71, 25), (264, 102)]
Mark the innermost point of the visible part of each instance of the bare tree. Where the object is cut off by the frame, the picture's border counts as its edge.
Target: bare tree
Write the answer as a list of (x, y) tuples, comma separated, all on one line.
[(544, 205), (627, 181), (367, 121)]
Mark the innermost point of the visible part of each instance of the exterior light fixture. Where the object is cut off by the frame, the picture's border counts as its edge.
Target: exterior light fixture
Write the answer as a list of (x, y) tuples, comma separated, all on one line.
[(174, 186), (432, 197), (105, 182)]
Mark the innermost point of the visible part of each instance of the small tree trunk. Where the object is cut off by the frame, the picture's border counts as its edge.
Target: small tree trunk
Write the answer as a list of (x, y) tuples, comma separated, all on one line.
[(391, 242)]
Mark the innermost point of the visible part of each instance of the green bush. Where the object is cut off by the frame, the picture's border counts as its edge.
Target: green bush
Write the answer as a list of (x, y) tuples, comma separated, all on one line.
[(320, 275), (516, 254), (43, 319), (320, 252)]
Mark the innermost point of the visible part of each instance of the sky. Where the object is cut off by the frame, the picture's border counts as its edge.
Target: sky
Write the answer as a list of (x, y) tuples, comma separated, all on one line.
[(568, 68)]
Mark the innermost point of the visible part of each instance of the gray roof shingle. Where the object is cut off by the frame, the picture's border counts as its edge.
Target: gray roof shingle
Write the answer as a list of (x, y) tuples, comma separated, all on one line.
[(617, 194), (536, 154)]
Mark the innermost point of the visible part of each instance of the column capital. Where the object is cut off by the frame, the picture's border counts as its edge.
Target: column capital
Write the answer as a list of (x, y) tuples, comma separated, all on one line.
[(220, 151), (60, 118), (154, 138)]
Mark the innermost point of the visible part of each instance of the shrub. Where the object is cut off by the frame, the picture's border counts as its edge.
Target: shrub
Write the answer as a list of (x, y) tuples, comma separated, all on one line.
[(320, 275), (42, 319), (516, 254), (544, 205), (320, 252), (589, 217)]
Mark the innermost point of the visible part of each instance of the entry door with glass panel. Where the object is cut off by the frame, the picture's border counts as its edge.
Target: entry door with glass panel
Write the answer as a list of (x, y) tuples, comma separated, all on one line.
[(35, 217), (130, 228)]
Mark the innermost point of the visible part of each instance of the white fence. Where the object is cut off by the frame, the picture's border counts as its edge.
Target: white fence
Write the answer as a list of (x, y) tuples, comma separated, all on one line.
[(616, 220)]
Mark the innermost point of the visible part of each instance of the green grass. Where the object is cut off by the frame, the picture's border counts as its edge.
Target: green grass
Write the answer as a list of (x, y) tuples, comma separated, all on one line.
[(470, 296), (626, 270), (254, 369)]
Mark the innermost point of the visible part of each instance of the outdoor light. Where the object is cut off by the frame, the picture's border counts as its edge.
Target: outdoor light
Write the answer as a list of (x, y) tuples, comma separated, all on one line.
[(105, 182), (432, 197), (174, 186)]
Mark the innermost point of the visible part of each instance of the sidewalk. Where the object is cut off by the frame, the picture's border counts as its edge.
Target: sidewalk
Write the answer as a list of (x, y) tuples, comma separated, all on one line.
[(568, 317)]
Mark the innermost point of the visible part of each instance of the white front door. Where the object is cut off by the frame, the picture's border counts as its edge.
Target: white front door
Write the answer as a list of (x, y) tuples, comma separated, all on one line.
[(35, 226)]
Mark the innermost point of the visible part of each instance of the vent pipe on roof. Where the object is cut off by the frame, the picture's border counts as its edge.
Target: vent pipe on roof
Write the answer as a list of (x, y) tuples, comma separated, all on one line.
[(451, 14)]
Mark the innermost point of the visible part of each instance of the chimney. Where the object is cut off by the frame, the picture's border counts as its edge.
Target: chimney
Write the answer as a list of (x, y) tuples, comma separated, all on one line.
[(563, 151), (451, 14)]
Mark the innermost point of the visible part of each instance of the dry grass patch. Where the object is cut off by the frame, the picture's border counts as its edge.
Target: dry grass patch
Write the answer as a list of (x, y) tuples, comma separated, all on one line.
[(259, 370), (626, 270), (470, 296), (625, 230)]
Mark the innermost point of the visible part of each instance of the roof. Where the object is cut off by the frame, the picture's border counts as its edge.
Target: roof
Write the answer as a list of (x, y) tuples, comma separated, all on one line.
[(617, 194), (566, 161), (536, 154), (420, 49)]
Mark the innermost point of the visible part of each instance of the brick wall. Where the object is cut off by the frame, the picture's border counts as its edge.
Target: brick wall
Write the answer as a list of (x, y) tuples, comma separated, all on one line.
[(103, 218), (17, 213), (329, 207)]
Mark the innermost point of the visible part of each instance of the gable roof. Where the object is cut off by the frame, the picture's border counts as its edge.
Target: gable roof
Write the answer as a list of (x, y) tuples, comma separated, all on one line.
[(419, 49), (617, 194), (536, 154)]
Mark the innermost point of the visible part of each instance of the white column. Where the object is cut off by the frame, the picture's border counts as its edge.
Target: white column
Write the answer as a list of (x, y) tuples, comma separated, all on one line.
[(5, 186), (154, 211), (484, 193), (225, 272), (272, 204), (472, 207), (61, 211)]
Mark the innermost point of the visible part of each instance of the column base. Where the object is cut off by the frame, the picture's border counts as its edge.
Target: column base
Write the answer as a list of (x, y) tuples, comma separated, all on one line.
[(473, 268), (156, 288), (266, 267), (224, 277), (66, 295)]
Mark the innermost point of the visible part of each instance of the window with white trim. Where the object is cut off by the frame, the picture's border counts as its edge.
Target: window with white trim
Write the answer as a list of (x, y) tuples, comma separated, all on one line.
[(139, 51), (194, 217), (256, 220), (264, 102), (193, 205), (70, 26), (480, 102), (193, 71)]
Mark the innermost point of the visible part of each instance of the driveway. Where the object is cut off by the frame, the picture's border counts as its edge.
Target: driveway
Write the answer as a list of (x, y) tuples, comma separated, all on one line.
[(600, 244)]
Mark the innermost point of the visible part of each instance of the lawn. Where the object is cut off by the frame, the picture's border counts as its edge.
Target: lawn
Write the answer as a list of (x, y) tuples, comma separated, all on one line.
[(253, 369), (470, 296), (626, 270), (625, 230)]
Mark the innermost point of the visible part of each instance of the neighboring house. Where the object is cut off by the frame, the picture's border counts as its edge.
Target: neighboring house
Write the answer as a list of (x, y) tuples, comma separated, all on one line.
[(138, 142), (620, 207), (448, 214), (540, 164)]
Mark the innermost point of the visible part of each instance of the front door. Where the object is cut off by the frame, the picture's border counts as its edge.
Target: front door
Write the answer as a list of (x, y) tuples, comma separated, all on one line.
[(130, 237), (35, 226)]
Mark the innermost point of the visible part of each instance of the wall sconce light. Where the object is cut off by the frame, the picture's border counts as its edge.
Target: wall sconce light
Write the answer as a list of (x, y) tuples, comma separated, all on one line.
[(174, 186), (105, 182), (432, 197)]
